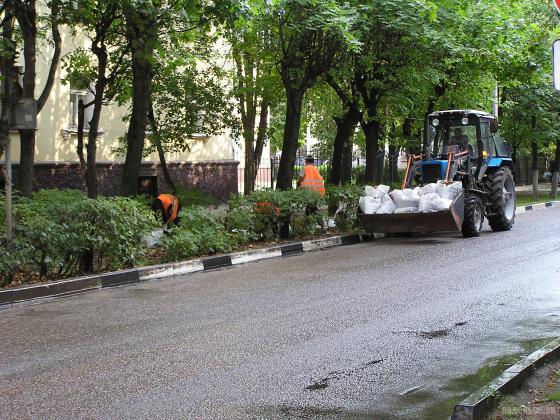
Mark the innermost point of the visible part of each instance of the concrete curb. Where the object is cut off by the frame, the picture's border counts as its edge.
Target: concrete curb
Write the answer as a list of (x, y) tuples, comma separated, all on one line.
[(82, 284), (479, 404)]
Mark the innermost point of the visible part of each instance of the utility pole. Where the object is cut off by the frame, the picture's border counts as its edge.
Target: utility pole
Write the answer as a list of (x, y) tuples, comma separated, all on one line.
[(496, 101)]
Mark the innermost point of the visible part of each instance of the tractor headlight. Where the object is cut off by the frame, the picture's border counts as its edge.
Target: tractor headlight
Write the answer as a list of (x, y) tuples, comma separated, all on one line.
[(465, 121), (435, 122)]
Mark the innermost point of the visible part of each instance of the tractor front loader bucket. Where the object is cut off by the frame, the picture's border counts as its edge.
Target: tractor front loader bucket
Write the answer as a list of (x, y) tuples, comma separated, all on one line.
[(444, 221)]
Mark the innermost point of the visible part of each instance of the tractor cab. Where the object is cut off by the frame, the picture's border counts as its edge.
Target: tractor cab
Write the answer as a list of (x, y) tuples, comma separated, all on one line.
[(459, 143)]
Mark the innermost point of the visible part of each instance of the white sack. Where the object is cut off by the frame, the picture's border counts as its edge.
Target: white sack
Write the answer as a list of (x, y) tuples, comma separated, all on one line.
[(375, 192), (452, 191), (386, 198), (426, 204), (442, 204), (440, 188), (406, 210), (383, 188), (405, 198), (428, 189), (369, 191), (388, 206), (369, 205)]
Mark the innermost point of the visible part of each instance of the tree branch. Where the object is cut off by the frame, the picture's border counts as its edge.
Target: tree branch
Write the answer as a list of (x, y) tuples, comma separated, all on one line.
[(55, 59)]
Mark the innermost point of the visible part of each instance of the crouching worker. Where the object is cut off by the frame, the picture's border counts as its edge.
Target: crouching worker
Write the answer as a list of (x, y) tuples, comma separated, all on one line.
[(169, 206)]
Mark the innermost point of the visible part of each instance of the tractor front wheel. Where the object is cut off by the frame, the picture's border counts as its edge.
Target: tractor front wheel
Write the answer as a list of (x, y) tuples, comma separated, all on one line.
[(501, 195), (474, 216)]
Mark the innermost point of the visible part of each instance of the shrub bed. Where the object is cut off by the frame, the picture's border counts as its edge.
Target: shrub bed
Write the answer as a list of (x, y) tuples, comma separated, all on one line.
[(62, 233), (268, 215)]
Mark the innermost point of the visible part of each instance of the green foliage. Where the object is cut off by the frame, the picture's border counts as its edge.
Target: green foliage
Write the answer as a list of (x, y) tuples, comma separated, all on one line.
[(261, 214), (343, 204), (192, 196), (200, 233), (54, 228)]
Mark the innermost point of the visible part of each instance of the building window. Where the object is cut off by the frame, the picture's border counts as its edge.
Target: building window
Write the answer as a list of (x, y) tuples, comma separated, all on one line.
[(75, 97)]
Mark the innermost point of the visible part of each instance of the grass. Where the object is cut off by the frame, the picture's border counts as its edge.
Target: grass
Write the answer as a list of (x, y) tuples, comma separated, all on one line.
[(525, 198), (555, 396)]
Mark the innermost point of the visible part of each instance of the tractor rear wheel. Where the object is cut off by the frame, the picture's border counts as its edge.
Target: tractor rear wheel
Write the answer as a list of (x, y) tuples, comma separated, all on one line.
[(474, 216), (501, 195)]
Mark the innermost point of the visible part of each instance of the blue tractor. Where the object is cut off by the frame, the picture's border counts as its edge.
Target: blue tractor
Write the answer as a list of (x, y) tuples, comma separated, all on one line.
[(465, 146)]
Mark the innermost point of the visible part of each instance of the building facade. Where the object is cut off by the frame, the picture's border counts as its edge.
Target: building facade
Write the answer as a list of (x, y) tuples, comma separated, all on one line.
[(209, 165)]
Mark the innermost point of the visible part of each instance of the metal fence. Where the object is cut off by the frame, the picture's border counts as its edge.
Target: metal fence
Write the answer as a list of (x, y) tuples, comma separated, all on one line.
[(267, 172)]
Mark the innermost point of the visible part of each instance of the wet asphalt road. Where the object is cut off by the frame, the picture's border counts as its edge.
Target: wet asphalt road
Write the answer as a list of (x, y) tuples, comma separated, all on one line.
[(340, 333)]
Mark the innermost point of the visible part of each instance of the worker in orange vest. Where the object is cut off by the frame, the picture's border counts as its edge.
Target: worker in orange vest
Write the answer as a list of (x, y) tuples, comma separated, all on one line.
[(169, 206), (310, 178)]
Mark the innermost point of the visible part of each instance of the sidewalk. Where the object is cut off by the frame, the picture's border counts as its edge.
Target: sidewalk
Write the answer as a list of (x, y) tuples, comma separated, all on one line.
[(543, 187)]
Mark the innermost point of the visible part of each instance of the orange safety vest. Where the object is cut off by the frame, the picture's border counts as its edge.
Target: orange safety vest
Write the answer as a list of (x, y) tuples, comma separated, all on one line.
[(312, 180), (169, 201)]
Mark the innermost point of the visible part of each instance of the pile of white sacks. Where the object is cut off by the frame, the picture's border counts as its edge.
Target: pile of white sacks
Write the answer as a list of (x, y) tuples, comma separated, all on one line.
[(430, 198)]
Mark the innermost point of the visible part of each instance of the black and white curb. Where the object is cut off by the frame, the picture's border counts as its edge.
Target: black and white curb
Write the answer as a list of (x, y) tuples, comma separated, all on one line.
[(119, 278), (525, 209), (479, 404)]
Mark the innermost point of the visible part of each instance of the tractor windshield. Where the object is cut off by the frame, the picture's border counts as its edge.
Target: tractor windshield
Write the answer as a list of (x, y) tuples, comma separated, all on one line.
[(457, 134)]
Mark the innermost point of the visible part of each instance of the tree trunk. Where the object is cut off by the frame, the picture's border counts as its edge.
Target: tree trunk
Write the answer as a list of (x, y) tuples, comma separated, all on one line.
[(161, 154), (380, 166), (515, 163), (261, 137), (535, 167), (371, 132), (555, 172), (7, 92), (142, 32), (393, 158), (26, 161), (100, 85), (80, 145), (26, 15), (141, 82), (294, 98), (345, 127), (249, 171), (347, 160)]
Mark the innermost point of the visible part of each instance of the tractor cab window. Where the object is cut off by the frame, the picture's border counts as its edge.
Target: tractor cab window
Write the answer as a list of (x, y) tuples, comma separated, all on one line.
[(500, 146), (487, 139), (452, 134)]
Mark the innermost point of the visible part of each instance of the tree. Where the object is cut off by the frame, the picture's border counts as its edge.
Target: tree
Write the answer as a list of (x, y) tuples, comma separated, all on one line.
[(142, 32), (188, 98), (308, 36), (148, 23), (27, 19), (101, 21), (255, 81), (7, 70)]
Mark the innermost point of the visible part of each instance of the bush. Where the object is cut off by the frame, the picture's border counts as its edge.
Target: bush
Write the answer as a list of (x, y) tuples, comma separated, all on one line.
[(55, 229), (191, 197), (343, 204), (262, 214), (200, 233)]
